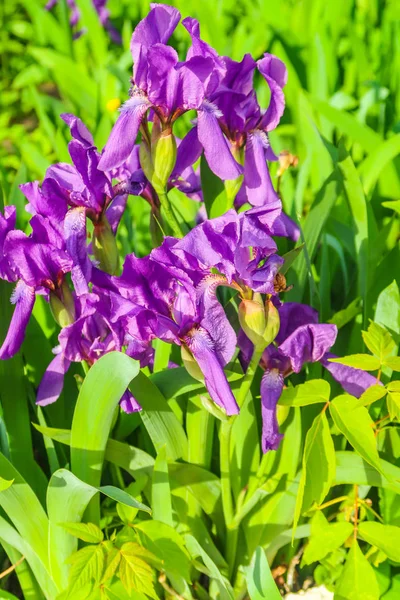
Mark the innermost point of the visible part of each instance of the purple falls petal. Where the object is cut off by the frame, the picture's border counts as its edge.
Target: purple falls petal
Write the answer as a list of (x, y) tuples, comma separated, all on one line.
[(271, 389), (203, 350), (308, 343), (115, 211), (24, 298), (257, 184), (52, 382), (75, 240), (353, 381), (123, 135), (79, 131), (216, 147), (293, 315)]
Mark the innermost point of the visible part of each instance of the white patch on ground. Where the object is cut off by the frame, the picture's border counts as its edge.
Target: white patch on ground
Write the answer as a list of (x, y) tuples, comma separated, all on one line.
[(317, 593)]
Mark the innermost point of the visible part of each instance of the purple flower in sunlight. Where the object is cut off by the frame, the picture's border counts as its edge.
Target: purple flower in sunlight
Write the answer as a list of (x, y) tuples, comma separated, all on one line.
[(7, 224), (165, 84), (301, 339), (87, 339)]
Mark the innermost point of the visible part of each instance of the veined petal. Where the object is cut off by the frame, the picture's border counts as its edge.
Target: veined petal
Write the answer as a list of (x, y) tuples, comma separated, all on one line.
[(308, 343), (79, 131), (24, 298), (52, 382), (156, 28), (75, 239), (271, 390), (203, 350), (353, 381), (216, 147), (123, 135), (275, 74), (293, 315), (257, 184)]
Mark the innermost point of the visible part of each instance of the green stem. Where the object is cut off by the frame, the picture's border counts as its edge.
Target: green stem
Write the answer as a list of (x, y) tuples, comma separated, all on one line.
[(225, 446), (170, 215)]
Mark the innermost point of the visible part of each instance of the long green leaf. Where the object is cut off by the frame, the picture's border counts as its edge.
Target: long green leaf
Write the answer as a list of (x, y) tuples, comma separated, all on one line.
[(260, 583)]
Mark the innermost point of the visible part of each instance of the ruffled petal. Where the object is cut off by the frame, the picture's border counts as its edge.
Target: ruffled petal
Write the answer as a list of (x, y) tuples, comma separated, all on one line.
[(75, 239), (24, 298), (308, 343), (275, 74), (216, 147), (52, 382), (123, 135), (257, 185), (128, 403), (203, 350), (116, 209), (79, 131), (189, 151), (293, 315), (353, 381), (271, 390)]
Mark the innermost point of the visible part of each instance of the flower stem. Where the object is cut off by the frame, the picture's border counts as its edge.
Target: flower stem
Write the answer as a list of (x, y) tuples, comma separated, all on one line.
[(225, 464), (170, 215)]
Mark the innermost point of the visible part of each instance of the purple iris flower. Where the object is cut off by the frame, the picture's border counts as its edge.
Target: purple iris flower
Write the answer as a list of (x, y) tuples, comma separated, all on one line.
[(102, 11), (39, 264), (87, 339), (167, 86), (301, 339)]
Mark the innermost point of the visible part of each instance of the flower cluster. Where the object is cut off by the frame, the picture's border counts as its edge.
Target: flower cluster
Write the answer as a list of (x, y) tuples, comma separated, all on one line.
[(171, 294)]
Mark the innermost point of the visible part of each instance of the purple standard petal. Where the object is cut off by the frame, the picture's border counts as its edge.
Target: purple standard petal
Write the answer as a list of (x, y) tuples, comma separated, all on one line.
[(189, 151), (274, 72), (79, 131), (201, 346), (257, 184), (7, 224), (156, 28), (162, 79), (128, 403), (257, 225), (284, 226), (353, 381), (52, 382), (116, 209), (75, 239), (24, 298), (123, 135), (293, 315), (308, 343), (216, 147), (271, 390)]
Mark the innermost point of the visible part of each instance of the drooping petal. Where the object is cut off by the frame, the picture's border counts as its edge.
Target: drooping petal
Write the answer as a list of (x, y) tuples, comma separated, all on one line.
[(257, 185), (201, 346), (123, 135), (216, 147), (257, 225), (189, 151), (284, 226), (128, 403), (353, 381), (24, 298), (7, 224), (52, 382), (79, 131), (75, 239), (308, 343), (293, 315), (275, 73), (271, 390), (117, 208)]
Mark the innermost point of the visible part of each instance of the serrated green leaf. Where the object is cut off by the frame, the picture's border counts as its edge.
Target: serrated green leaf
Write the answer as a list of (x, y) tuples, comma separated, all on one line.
[(372, 394), (358, 580), (113, 558), (167, 544), (325, 538), (260, 583), (359, 361), (88, 532), (379, 341), (312, 392), (384, 537), (355, 424), (318, 467), (86, 566), (393, 362), (135, 574)]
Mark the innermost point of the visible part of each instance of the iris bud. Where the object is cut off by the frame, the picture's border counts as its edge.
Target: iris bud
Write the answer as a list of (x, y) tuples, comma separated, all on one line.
[(213, 408), (259, 322), (191, 364), (282, 413), (62, 305), (163, 153), (146, 162), (105, 247)]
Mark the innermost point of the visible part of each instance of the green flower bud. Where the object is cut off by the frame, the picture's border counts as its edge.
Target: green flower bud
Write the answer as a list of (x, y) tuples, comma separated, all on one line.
[(146, 162), (163, 153), (62, 305), (191, 364), (213, 408), (105, 246), (259, 322), (282, 413)]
